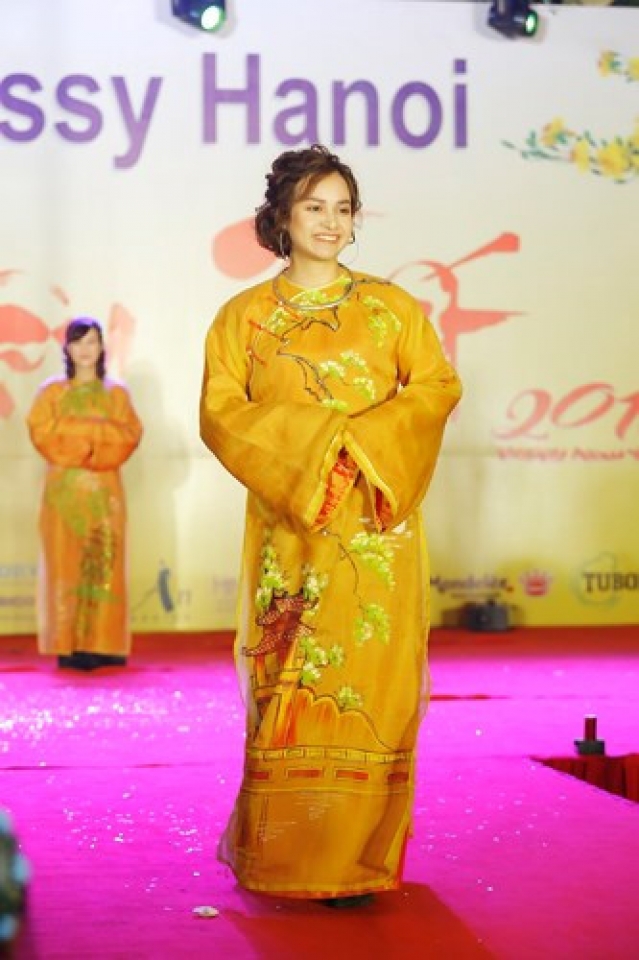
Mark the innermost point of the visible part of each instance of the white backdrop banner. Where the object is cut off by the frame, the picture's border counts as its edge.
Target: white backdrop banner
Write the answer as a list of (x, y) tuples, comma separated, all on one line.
[(501, 187)]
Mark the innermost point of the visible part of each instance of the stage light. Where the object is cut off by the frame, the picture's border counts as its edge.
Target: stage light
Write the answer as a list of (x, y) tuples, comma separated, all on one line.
[(207, 15), (513, 18)]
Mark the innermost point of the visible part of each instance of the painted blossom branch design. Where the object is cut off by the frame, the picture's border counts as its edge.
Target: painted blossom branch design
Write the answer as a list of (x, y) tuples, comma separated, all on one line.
[(274, 602), (616, 159), (374, 552), (350, 369), (272, 587), (381, 319)]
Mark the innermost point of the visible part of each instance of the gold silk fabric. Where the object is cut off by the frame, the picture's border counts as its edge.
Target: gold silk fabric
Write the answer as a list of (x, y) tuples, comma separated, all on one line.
[(332, 419), (85, 432)]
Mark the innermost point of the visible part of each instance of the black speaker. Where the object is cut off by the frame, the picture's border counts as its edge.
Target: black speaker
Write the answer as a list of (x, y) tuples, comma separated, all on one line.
[(488, 617)]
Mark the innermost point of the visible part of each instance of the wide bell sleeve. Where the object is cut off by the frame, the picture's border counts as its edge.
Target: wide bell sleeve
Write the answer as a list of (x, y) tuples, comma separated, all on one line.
[(114, 438), (396, 443), (99, 441), (285, 452), (63, 441)]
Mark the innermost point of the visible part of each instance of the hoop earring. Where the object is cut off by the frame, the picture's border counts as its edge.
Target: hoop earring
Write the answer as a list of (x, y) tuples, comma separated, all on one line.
[(280, 243), (354, 240)]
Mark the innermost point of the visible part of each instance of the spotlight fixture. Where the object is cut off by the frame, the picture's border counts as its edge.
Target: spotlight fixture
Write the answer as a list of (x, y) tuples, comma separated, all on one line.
[(513, 18), (208, 15)]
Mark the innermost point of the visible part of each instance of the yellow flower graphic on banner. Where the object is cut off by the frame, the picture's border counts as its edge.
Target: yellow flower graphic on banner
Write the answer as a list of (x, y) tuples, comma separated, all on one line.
[(553, 133), (581, 154), (617, 159), (613, 63), (608, 63)]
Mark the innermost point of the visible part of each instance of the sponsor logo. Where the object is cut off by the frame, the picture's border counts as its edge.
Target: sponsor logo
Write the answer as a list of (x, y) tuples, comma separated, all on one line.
[(472, 587), (18, 571), (601, 581), (17, 601), (536, 583), (16, 608), (17, 594)]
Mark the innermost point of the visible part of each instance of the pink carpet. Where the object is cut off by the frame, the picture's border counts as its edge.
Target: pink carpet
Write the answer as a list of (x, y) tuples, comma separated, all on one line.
[(120, 781)]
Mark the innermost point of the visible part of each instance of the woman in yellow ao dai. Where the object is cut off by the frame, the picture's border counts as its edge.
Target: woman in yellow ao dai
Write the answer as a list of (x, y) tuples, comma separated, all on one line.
[(326, 394)]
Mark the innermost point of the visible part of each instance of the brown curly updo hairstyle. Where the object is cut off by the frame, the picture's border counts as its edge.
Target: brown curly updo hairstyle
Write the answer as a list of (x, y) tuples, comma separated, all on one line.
[(293, 175)]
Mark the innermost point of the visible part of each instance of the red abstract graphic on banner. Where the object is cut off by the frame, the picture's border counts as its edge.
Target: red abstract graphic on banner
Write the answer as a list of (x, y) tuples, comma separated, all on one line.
[(454, 319), (26, 334)]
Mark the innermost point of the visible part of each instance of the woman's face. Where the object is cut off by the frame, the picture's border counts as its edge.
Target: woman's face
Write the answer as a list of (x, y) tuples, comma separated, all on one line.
[(321, 222), (85, 352)]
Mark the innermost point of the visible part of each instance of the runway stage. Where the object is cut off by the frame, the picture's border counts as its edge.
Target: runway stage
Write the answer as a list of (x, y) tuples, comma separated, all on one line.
[(119, 783)]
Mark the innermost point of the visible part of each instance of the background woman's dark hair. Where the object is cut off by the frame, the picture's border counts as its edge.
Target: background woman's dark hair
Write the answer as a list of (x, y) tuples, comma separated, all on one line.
[(293, 175), (75, 331)]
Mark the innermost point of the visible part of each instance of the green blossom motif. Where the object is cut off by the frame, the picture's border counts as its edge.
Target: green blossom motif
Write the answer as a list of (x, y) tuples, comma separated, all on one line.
[(331, 368), (314, 653), (332, 403), (62, 496), (365, 386), (381, 319), (348, 699), (336, 656), (376, 553), (272, 578), (372, 624), (313, 585), (318, 297), (316, 659), (85, 399), (352, 359), (339, 370), (278, 322), (309, 675)]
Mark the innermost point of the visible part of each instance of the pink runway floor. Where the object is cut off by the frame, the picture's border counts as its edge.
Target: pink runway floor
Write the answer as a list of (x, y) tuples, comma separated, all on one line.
[(119, 783)]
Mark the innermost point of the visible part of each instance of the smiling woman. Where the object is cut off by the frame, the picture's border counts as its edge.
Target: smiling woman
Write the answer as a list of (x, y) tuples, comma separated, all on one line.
[(308, 215), (85, 427), (326, 394)]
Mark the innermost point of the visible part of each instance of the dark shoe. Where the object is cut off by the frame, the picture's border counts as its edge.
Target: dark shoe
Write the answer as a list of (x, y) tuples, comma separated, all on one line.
[(109, 660), (79, 660), (346, 903)]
